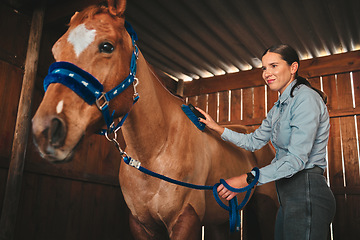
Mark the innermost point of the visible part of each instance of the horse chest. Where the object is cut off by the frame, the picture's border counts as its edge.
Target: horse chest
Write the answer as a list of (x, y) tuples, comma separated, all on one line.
[(147, 196)]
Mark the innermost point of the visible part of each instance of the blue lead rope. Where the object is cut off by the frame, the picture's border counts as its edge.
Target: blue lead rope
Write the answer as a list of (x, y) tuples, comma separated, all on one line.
[(233, 208)]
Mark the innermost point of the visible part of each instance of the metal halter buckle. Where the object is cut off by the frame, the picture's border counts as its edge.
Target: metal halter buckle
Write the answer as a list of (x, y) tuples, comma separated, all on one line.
[(101, 102)]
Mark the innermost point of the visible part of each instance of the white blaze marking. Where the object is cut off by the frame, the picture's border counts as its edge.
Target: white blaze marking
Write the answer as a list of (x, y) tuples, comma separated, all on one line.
[(59, 107), (81, 37)]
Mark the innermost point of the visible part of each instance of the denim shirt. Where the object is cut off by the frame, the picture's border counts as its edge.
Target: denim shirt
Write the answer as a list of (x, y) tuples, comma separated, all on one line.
[(298, 128)]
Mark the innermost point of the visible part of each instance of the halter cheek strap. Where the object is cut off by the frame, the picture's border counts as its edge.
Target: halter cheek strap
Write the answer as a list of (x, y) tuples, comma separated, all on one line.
[(90, 89)]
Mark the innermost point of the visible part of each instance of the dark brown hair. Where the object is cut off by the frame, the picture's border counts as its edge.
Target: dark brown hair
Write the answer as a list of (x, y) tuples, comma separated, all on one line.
[(289, 54)]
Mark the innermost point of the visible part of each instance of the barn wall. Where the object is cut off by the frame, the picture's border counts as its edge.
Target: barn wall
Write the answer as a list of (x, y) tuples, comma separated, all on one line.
[(12, 58), (339, 77), (80, 199)]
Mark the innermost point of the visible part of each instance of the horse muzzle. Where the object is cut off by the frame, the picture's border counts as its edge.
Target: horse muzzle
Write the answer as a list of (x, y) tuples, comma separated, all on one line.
[(49, 135)]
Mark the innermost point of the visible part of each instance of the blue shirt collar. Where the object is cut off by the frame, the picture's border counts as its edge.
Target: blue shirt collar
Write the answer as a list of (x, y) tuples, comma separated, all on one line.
[(286, 94)]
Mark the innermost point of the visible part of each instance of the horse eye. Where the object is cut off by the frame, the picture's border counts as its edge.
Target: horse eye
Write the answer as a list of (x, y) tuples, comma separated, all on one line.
[(106, 47)]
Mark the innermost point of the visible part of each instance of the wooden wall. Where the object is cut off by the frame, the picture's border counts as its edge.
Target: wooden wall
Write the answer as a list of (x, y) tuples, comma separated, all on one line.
[(235, 100), (80, 199)]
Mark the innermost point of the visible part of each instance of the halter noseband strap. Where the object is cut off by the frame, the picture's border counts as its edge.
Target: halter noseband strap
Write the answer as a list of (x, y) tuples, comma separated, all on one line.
[(90, 89)]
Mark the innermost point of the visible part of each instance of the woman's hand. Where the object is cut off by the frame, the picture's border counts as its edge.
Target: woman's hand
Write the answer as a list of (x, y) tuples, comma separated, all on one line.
[(235, 182), (210, 122)]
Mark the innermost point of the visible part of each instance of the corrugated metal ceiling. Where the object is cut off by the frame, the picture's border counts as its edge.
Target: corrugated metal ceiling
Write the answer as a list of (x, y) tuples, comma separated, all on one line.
[(203, 38), (191, 39)]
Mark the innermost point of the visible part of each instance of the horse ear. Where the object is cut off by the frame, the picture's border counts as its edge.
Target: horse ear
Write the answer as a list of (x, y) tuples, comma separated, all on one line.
[(116, 7), (76, 13)]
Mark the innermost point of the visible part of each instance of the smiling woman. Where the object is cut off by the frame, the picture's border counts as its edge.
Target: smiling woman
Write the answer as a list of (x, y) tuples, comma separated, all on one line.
[(298, 128), (277, 73)]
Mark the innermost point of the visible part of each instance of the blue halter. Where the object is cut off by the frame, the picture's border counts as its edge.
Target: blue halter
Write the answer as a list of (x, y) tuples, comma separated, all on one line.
[(90, 89)]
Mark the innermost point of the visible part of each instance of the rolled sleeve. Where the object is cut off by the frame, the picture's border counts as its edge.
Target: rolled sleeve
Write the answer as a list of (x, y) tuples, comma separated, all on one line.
[(252, 141)]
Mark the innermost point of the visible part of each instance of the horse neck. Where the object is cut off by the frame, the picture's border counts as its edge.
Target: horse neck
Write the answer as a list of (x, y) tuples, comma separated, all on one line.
[(146, 130)]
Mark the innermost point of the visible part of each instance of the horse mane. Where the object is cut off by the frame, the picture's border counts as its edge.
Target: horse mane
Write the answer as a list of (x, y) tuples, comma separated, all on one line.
[(88, 13)]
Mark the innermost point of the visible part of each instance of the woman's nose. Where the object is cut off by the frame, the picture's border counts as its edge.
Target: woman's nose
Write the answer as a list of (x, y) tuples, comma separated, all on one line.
[(266, 73)]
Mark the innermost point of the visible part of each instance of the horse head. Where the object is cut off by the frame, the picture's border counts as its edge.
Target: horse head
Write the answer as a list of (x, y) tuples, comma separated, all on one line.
[(98, 48)]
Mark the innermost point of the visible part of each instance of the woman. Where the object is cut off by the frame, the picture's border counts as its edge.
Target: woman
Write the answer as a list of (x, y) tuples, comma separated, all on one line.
[(298, 127)]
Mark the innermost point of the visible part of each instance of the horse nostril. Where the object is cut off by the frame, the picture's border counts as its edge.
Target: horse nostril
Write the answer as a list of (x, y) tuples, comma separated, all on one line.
[(57, 132)]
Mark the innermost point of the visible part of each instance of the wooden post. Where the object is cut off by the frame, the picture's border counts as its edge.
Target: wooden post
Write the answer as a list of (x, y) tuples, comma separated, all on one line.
[(180, 88), (23, 124)]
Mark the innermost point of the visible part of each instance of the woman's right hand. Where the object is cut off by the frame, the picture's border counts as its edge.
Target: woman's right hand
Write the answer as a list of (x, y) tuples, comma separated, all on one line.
[(210, 123)]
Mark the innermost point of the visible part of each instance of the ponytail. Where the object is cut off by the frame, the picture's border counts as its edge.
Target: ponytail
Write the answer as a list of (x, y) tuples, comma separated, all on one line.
[(300, 80)]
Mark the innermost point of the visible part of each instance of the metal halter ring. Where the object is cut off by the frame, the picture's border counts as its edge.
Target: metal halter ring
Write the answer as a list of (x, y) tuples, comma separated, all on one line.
[(113, 139)]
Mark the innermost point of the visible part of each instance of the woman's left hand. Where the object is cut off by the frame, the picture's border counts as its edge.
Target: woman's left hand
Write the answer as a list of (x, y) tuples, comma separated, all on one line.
[(235, 182)]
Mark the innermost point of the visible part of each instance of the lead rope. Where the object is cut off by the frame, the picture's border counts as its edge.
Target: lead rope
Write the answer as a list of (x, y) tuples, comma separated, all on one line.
[(233, 208)]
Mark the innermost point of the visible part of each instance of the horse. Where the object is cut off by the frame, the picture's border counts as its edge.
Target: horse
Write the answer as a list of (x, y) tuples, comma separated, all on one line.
[(156, 131)]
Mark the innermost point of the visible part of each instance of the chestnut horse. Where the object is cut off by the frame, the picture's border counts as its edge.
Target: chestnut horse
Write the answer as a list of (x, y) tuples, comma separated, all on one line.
[(157, 133)]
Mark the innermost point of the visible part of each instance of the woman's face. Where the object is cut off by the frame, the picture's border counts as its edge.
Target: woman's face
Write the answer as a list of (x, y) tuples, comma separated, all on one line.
[(276, 72)]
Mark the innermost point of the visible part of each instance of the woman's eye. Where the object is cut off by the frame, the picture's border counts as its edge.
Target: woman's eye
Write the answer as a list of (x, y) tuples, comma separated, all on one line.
[(106, 47)]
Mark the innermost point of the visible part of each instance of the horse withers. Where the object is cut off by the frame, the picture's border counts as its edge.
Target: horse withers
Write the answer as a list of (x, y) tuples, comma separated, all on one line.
[(97, 60)]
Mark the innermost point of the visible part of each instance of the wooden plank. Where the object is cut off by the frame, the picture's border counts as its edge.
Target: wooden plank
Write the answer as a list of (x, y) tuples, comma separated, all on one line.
[(95, 155), (346, 215), (15, 33), (202, 101), (212, 105), (344, 112), (225, 82), (330, 88), (315, 82), (352, 216), (356, 82), (13, 187), (333, 64), (352, 175), (335, 154), (259, 102), (353, 190), (344, 91), (236, 105), (336, 177), (351, 158), (192, 100), (3, 176), (247, 122), (10, 88), (248, 103), (65, 209), (224, 106), (340, 222), (343, 223)]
